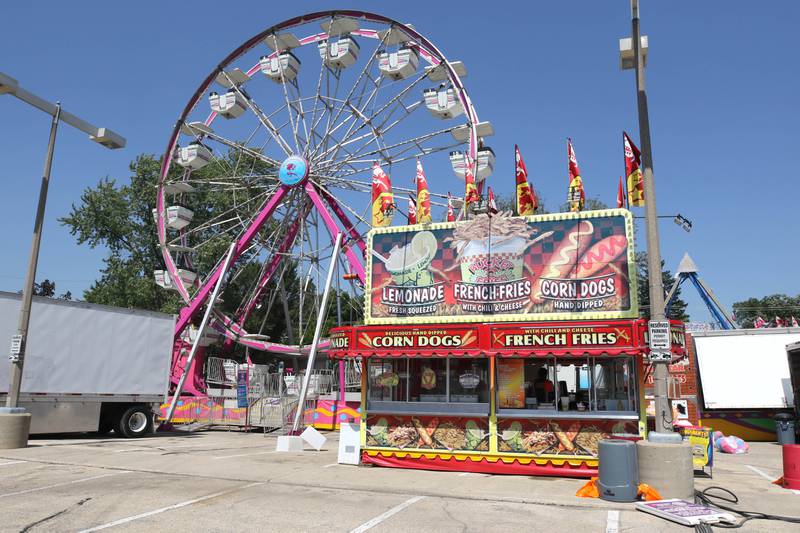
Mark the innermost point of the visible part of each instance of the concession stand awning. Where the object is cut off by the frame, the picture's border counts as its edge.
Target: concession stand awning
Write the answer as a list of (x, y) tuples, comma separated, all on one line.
[(602, 338)]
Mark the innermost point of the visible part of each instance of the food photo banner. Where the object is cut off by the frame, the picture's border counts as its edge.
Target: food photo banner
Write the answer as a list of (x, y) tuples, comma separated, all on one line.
[(564, 266)]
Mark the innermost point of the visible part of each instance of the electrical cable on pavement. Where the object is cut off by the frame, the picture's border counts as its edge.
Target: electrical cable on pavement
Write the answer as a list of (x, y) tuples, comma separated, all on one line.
[(705, 497)]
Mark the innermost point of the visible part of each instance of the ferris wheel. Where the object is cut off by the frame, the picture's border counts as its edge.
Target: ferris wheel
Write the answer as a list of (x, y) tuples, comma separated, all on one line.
[(282, 137)]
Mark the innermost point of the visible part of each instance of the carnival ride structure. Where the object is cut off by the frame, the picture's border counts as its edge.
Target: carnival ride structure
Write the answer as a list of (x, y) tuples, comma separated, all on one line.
[(292, 121), (687, 270)]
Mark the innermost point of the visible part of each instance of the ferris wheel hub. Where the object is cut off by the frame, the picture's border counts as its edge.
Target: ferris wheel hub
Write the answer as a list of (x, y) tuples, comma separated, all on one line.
[(293, 170)]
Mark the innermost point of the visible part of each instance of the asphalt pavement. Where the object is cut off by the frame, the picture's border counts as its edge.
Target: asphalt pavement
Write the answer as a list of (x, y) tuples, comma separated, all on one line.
[(235, 481)]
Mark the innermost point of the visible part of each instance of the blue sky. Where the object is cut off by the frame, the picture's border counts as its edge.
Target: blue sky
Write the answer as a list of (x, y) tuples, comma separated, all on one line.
[(722, 83)]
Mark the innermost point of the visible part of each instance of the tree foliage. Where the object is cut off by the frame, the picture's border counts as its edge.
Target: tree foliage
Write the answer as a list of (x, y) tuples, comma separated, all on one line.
[(767, 307), (47, 289), (118, 217), (677, 310)]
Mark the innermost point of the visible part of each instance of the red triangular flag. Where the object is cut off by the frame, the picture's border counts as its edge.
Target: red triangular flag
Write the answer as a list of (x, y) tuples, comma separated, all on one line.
[(620, 195), (412, 211), (576, 196), (526, 203), (492, 203), (451, 214)]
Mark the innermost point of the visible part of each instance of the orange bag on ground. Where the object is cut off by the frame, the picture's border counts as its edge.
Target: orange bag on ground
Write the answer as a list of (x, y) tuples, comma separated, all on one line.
[(648, 492), (589, 490)]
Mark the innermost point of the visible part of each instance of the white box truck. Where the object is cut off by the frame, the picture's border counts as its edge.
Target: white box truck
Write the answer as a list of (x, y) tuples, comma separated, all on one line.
[(89, 367)]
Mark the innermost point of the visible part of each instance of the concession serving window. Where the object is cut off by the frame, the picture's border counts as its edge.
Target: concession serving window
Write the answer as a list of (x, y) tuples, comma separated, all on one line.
[(447, 385), (569, 387)]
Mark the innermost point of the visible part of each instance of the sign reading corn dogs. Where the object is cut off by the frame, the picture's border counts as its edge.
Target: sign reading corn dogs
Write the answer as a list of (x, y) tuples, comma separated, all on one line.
[(563, 266), (417, 339)]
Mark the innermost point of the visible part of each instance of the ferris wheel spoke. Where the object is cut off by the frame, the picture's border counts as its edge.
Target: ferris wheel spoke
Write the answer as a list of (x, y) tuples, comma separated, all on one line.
[(289, 106), (329, 105), (317, 99), (333, 229), (264, 119), (353, 89), (270, 267), (243, 149), (368, 121), (386, 151), (343, 218), (375, 135)]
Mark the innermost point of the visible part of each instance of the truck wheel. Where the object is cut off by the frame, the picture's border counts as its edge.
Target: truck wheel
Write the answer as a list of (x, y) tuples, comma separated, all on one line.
[(135, 422)]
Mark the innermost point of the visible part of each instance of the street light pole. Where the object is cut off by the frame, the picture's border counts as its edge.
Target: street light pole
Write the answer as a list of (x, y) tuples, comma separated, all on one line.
[(663, 422), (14, 421), (27, 290)]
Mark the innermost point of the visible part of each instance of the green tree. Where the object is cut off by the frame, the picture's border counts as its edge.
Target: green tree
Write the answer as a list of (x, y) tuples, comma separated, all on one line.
[(508, 203), (592, 204), (677, 310), (118, 217), (47, 289), (767, 307)]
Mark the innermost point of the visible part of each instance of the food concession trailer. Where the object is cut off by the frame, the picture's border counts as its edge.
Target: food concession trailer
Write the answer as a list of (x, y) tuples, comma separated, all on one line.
[(500, 344), (515, 398)]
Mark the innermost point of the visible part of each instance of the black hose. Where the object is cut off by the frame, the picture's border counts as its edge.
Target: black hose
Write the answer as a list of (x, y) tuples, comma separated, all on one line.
[(705, 497)]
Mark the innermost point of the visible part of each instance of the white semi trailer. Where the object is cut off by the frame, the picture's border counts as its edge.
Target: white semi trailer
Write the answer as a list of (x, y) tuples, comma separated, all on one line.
[(88, 367)]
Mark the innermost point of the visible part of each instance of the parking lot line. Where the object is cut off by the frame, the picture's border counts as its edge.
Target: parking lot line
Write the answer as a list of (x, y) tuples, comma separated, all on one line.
[(243, 455), (769, 478), (612, 522), (330, 465), (391, 512), (63, 484), (12, 463), (167, 508)]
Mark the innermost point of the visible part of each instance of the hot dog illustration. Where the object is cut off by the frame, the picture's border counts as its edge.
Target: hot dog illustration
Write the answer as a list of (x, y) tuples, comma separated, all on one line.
[(600, 255), (564, 260)]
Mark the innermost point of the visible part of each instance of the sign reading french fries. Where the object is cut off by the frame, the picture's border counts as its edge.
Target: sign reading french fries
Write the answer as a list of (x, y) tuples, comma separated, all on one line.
[(565, 266)]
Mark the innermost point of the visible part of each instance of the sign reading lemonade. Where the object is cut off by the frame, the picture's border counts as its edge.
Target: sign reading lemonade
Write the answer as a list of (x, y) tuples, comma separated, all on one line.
[(548, 267)]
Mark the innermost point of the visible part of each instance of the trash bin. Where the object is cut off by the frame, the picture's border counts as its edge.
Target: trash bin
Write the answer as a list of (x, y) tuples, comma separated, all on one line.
[(618, 476), (784, 427)]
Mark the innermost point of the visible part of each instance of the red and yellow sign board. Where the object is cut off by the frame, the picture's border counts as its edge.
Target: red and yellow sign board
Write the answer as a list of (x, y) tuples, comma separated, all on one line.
[(565, 266), (416, 339), (561, 337), (610, 337)]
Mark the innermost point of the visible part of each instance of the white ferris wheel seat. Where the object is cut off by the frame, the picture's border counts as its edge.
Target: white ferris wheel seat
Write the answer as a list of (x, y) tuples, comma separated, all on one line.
[(443, 103), (400, 64), (485, 160), (178, 217), (439, 73), (483, 129), (164, 281), (339, 26), (177, 187), (339, 54), (234, 75), (229, 105), (281, 41), (195, 129), (280, 67), (194, 156)]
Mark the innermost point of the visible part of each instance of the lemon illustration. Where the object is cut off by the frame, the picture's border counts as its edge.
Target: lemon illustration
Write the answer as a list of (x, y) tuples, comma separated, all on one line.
[(423, 244)]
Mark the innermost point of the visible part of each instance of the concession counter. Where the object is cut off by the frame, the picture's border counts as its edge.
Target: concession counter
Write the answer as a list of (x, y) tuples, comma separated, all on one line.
[(518, 398)]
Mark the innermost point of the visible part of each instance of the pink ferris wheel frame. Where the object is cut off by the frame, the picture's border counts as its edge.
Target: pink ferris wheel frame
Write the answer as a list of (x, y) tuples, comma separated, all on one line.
[(326, 204)]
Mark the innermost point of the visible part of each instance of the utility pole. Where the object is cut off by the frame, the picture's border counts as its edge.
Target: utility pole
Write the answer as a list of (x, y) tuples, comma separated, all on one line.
[(663, 421), (14, 421)]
